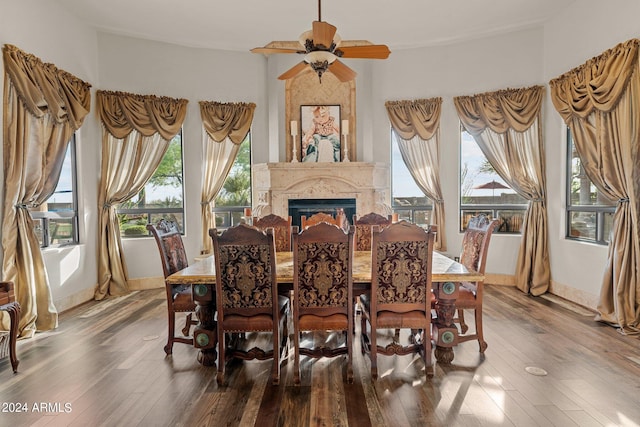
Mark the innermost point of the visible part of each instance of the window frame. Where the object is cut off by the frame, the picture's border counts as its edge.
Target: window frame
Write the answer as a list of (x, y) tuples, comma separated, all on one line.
[(45, 217), (599, 210), (234, 215), (406, 212), (491, 209), (149, 212)]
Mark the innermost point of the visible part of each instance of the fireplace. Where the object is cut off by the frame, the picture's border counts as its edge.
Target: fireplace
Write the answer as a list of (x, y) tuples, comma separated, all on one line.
[(308, 207), (353, 186)]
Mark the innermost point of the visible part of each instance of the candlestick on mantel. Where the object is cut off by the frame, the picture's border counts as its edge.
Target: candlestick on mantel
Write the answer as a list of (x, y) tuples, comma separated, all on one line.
[(345, 134), (294, 133)]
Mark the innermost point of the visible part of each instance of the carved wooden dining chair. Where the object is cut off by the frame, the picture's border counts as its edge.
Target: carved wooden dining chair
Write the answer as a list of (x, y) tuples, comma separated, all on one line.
[(475, 247), (174, 258), (323, 290), (364, 225), (281, 230), (247, 296), (400, 295), (317, 218), (9, 304)]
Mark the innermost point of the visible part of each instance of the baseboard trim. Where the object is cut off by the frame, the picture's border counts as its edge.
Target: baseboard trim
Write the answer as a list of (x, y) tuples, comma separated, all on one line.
[(74, 300), (144, 283), (499, 279)]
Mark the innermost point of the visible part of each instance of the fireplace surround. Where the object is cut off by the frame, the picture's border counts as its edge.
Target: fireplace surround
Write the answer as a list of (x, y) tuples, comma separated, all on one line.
[(275, 184)]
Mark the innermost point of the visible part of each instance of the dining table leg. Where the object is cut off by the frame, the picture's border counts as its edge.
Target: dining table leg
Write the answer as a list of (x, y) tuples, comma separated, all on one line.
[(205, 335), (445, 330)]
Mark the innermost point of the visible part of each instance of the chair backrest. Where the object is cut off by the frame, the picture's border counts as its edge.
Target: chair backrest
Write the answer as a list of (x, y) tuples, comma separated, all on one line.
[(281, 230), (318, 218), (475, 242), (364, 226), (169, 241), (322, 270), (245, 261), (401, 268)]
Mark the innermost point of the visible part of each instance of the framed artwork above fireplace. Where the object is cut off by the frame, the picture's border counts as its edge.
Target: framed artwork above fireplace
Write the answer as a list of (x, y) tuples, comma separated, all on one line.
[(320, 139)]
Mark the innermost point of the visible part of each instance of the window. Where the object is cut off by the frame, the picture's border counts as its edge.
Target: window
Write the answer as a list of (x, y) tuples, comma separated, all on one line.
[(56, 220), (235, 195), (483, 191), (161, 197), (589, 213), (407, 200)]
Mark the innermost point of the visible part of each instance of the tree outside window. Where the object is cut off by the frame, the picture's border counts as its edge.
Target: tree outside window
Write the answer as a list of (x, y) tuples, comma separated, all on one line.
[(235, 194), (161, 197), (482, 190)]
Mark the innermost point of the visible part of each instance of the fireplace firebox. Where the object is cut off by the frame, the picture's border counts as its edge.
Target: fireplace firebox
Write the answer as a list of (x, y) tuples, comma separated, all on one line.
[(308, 207)]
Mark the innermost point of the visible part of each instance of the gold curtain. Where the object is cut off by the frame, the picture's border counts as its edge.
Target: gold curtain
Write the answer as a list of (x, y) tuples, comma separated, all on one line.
[(42, 108), (136, 133), (599, 101), (225, 126), (417, 123), (507, 126)]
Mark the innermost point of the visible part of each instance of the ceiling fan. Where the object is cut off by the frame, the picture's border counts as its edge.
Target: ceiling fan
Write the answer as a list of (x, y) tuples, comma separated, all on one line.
[(322, 47)]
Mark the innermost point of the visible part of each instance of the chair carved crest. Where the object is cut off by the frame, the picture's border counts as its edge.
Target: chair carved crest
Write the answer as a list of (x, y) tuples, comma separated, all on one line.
[(364, 226), (318, 218), (281, 230)]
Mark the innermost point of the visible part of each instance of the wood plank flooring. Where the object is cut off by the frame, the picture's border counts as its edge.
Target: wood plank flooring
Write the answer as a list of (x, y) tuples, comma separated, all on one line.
[(104, 366)]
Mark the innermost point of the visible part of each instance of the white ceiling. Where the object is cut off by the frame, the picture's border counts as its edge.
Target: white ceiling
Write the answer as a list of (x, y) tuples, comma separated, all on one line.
[(244, 24)]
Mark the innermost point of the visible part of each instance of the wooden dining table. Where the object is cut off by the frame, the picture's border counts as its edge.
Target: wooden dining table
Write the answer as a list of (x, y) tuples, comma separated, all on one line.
[(446, 274)]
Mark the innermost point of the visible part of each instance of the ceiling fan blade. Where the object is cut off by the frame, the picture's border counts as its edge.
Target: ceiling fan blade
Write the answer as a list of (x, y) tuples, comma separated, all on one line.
[(341, 71), (374, 51), (293, 71), (270, 50), (323, 33)]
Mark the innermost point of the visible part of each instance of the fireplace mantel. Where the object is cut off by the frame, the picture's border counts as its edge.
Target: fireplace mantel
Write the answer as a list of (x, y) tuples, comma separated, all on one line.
[(275, 183)]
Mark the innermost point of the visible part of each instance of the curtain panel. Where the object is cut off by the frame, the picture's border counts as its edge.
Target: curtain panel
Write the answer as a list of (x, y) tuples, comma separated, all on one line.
[(507, 127), (417, 124), (225, 126), (137, 130), (42, 107), (599, 101)]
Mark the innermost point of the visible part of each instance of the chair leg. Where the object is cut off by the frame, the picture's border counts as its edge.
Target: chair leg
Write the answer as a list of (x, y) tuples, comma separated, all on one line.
[(481, 342), (275, 367), (168, 349), (186, 331), (463, 326), (222, 345), (296, 357), (374, 354), (350, 356)]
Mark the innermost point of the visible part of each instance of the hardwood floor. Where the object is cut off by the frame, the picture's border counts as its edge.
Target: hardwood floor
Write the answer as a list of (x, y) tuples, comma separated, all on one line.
[(105, 366)]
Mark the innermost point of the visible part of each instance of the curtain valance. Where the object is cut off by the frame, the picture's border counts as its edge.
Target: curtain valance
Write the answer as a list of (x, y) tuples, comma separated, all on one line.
[(122, 112), (597, 84), (417, 117), (500, 111), (227, 120), (45, 89)]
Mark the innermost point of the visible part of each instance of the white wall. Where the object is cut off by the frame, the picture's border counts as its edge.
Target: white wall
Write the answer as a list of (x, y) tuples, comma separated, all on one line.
[(146, 67), (586, 30), (447, 71), (518, 59), (54, 36)]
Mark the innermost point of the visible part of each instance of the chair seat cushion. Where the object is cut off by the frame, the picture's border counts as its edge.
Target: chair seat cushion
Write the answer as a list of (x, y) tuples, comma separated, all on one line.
[(309, 322), (260, 322), (388, 319), (466, 297), (182, 300)]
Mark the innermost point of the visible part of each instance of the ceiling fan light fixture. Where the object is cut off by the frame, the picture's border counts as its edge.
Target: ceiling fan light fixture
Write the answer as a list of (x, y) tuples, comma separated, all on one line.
[(320, 56)]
